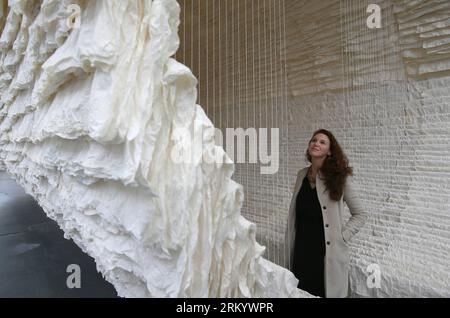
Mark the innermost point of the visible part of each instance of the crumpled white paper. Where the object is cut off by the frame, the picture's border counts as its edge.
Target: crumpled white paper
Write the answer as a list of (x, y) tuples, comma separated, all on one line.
[(89, 116)]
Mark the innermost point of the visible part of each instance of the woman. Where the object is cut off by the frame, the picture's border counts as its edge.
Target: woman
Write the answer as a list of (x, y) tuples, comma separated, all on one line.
[(318, 239)]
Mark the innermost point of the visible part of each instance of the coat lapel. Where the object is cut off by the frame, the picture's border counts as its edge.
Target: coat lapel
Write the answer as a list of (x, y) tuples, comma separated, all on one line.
[(321, 189), (301, 176)]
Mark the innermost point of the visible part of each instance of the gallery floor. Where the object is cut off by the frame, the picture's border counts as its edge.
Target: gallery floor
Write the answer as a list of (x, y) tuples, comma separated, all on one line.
[(35, 256)]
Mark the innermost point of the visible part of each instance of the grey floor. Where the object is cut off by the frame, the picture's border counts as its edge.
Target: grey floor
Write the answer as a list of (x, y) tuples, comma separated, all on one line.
[(34, 256)]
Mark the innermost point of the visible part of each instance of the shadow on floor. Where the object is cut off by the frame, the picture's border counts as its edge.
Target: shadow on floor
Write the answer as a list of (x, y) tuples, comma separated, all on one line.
[(34, 255)]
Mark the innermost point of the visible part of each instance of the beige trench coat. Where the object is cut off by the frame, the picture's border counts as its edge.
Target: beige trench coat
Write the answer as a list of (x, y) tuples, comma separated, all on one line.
[(337, 234)]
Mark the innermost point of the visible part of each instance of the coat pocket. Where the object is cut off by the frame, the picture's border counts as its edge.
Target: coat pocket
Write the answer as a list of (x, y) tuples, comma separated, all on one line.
[(343, 238)]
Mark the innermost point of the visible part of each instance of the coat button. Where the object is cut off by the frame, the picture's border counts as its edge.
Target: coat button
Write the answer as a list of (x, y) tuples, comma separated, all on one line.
[(327, 225), (324, 207), (328, 243)]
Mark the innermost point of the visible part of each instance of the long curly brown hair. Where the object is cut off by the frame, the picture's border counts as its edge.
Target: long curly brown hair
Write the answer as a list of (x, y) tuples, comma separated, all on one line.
[(335, 169)]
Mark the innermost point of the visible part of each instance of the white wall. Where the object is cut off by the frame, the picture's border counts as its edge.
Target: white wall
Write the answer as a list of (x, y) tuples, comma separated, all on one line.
[(383, 92)]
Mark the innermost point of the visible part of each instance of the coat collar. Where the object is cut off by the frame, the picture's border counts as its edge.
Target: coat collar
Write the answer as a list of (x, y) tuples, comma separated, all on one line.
[(320, 184)]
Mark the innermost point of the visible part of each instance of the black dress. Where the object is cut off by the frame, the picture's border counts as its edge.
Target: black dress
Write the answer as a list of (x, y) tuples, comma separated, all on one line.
[(309, 252)]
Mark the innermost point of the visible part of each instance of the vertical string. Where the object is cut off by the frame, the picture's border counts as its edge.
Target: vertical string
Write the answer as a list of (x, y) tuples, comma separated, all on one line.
[(236, 73), (286, 101), (214, 58), (265, 109), (257, 124), (246, 100), (351, 59), (184, 31), (258, 232), (275, 108), (192, 35), (233, 73), (366, 54), (284, 124), (277, 126), (343, 9), (207, 59), (280, 181), (220, 69), (199, 53), (270, 124), (226, 65)]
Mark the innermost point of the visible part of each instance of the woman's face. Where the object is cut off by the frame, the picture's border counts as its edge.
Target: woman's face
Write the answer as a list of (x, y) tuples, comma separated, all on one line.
[(319, 146)]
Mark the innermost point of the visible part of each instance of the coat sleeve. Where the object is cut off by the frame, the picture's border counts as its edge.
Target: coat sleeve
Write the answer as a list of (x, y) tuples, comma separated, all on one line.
[(358, 216)]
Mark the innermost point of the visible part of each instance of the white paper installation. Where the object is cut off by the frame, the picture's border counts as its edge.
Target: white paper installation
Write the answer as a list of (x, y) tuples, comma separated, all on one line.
[(90, 114)]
